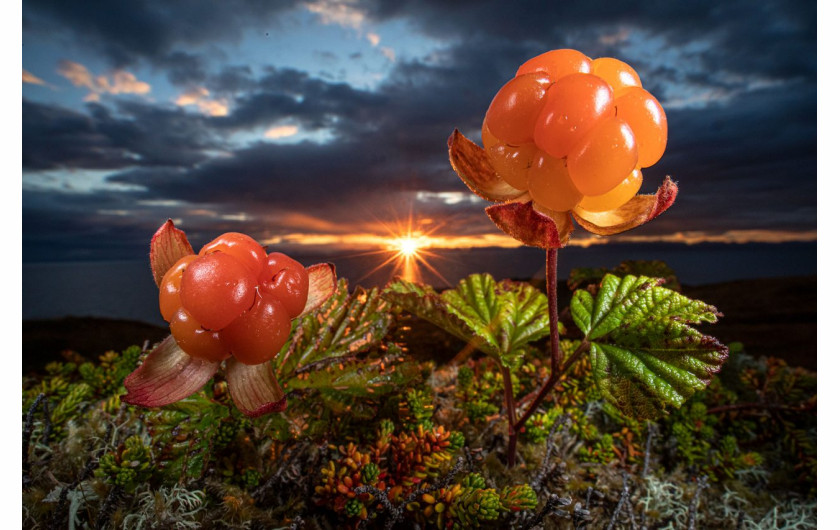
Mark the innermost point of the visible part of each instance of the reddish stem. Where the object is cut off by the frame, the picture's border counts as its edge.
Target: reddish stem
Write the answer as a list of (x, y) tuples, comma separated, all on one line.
[(554, 374), (514, 426)]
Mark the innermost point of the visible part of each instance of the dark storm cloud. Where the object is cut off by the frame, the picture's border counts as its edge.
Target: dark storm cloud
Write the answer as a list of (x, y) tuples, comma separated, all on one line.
[(54, 137), (300, 176), (58, 227), (126, 32), (314, 103), (184, 69), (144, 134), (776, 39), (232, 80)]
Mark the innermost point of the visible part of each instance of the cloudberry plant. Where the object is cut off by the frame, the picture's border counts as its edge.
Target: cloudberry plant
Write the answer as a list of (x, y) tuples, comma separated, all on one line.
[(566, 138), (229, 303)]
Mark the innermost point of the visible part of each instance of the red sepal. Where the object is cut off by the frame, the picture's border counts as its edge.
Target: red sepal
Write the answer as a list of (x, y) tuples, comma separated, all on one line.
[(638, 211), (254, 388), (167, 375), (522, 222), (168, 246), (322, 285)]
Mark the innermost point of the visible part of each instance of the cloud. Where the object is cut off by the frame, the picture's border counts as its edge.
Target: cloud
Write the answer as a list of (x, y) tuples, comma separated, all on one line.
[(120, 82), (32, 79), (373, 39), (389, 53), (143, 135), (199, 97), (285, 94), (126, 33), (281, 131), (341, 12)]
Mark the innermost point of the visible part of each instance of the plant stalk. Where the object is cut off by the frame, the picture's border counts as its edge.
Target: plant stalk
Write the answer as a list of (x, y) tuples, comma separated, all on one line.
[(554, 374), (556, 370)]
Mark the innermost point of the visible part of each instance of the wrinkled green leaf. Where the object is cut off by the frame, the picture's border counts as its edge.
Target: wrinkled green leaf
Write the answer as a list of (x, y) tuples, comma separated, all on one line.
[(643, 350), (369, 377), (497, 318), (325, 358), (345, 325)]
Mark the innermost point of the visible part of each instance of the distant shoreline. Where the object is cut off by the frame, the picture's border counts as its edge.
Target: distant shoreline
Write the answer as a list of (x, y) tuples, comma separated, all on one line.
[(772, 317)]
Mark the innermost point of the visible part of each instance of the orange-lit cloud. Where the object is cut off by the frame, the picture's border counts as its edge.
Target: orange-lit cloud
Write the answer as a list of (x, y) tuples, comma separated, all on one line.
[(374, 39), (33, 79), (199, 97), (119, 82), (281, 131), (341, 12), (611, 39)]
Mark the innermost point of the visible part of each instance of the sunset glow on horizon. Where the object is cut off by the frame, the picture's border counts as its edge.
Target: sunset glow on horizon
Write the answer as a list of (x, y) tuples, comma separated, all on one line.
[(412, 244)]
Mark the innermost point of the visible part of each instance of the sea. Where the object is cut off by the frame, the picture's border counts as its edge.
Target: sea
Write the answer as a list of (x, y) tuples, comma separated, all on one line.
[(125, 290)]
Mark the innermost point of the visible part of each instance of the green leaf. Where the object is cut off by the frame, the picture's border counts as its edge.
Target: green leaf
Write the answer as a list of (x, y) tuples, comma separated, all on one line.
[(326, 358), (644, 353), (499, 319), (345, 325), (359, 377)]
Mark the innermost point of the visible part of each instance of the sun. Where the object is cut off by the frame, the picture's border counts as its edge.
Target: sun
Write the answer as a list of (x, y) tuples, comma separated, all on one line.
[(408, 246)]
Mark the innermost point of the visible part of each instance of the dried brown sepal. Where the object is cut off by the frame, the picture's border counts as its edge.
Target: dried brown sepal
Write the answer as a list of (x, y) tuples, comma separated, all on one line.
[(168, 246), (470, 162), (322, 285), (167, 375), (638, 211), (254, 388), (522, 222)]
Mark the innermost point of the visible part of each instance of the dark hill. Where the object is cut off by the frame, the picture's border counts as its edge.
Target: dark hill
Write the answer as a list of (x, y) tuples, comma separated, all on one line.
[(772, 317)]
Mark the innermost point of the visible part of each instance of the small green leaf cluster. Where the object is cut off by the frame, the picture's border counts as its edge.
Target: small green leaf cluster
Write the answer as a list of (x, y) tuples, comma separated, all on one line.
[(70, 387), (107, 376), (183, 434), (469, 503), (128, 466), (478, 395), (420, 408), (762, 416)]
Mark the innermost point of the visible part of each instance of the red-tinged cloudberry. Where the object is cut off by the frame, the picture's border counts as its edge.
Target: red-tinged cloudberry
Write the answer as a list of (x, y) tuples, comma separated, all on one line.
[(232, 298), (216, 288), (286, 279), (258, 335), (170, 287), (242, 247)]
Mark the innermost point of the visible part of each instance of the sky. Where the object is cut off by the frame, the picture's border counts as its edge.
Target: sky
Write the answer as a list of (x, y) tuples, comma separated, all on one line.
[(320, 126)]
